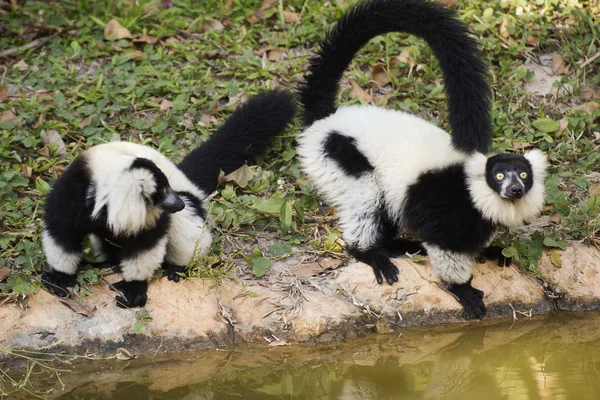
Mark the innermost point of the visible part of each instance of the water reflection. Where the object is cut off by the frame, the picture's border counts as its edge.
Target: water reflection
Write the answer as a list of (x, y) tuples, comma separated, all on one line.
[(547, 359)]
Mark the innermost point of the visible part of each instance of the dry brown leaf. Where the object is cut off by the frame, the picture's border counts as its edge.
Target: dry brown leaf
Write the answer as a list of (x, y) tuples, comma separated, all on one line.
[(559, 65), (8, 116), (266, 4), (124, 354), (504, 28), (135, 55), (589, 107), (519, 11), (211, 24), (532, 40), (358, 93), (314, 268), (53, 136), (3, 93), (165, 105), (276, 54), (290, 17), (44, 151), (21, 65), (448, 3), (517, 145), (240, 176), (115, 31), (563, 125), (254, 18), (75, 306), (26, 170), (172, 40), (379, 75), (207, 119), (403, 57), (85, 122), (145, 39), (586, 92), (4, 272), (554, 217), (595, 189), (260, 52)]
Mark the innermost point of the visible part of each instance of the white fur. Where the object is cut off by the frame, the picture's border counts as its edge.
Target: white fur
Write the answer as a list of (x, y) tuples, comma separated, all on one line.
[(59, 258), (188, 236), (96, 243), (415, 146), (450, 266), (121, 189), (143, 265), (498, 210)]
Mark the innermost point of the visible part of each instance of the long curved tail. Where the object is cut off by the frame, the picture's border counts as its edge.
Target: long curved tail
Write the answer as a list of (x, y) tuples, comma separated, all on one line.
[(240, 138), (457, 51)]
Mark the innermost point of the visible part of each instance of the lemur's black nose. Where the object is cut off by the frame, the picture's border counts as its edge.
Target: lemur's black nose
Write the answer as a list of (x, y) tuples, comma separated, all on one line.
[(517, 191)]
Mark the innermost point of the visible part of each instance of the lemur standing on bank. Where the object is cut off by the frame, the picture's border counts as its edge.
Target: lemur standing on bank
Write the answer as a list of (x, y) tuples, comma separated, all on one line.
[(142, 211), (389, 172)]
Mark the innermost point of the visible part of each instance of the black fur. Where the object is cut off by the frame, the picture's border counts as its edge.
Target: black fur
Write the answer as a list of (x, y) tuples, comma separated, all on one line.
[(342, 149), (57, 282), (439, 210), (241, 137), (464, 73), (378, 259), (470, 298), (199, 208), (134, 293), (173, 272)]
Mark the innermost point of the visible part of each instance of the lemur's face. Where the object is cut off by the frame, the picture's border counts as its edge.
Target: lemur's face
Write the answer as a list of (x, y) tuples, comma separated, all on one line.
[(509, 175), (154, 186)]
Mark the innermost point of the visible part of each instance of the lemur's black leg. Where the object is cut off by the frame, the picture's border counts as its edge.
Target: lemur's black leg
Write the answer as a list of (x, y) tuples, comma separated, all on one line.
[(134, 293), (378, 259), (173, 272), (399, 247), (470, 298), (494, 253), (58, 282)]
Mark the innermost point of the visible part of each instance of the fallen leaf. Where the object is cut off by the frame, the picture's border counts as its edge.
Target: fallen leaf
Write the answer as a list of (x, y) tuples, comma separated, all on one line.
[(4, 272), (8, 116), (124, 354), (26, 170), (290, 17), (3, 92), (165, 105), (211, 24), (240, 176), (563, 125), (585, 92), (207, 119), (115, 31), (559, 65), (532, 40), (379, 75), (358, 93), (276, 54), (76, 306), (517, 145), (85, 122), (554, 217), (267, 4), (21, 65), (172, 40), (555, 258), (519, 11), (403, 57), (260, 52), (312, 269), (53, 136), (448, 3), (504, 28), (145, 39), (595, 189), (589, 107), (135, 55)]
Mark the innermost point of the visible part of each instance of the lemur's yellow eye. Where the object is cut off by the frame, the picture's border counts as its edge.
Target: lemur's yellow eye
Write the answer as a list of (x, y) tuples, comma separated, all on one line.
[(499, 176), (523, 175)]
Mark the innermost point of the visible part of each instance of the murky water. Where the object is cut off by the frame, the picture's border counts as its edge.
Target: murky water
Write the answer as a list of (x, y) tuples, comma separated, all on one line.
[(551, 358)]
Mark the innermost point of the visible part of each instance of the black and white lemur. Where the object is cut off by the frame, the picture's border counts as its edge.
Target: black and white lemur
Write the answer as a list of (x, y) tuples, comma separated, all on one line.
[(388, 172), (142, 211)]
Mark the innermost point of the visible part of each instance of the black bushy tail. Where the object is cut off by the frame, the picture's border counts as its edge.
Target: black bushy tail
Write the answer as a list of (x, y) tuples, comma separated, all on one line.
[(240, 138), (457, 51)]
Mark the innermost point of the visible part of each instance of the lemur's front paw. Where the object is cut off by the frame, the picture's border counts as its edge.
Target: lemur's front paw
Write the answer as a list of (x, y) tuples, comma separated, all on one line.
[(385, 269), (173, 272), (134, 293), (58, 282), (470, 298)]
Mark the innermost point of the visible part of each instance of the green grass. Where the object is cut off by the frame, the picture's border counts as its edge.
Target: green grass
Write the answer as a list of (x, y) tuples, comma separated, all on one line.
[(92, 90)]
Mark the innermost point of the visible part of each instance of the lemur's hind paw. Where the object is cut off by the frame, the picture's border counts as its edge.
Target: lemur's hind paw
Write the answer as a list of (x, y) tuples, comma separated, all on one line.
[(495, 253), (58, 282), (134, 293), (173, 272), (385, 270), (470, 298)]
